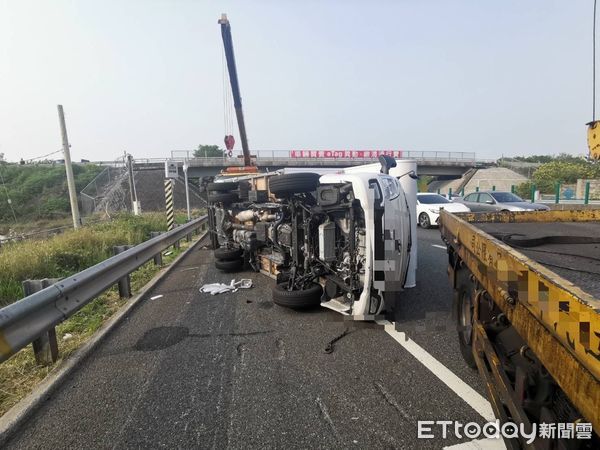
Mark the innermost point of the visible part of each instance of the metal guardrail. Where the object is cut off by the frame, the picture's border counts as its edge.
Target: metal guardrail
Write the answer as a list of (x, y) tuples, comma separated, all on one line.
[(36, 315)]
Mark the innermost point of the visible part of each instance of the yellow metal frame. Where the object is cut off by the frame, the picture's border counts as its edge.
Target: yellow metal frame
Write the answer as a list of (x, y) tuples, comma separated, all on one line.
[(593, 138), (559, 321)]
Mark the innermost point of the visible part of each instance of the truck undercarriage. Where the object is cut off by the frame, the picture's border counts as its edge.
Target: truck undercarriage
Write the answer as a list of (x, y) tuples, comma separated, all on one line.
[(322, 242)]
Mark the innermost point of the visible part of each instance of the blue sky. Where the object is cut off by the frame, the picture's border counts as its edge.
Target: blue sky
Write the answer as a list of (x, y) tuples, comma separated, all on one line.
[(504, 77)]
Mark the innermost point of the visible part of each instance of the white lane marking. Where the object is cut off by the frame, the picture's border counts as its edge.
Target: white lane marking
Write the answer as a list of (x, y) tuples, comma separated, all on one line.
[(462, 389), (443, 247), (479, 444)]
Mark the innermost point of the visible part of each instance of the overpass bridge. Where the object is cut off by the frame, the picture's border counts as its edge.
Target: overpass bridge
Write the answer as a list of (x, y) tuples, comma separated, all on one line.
[(435, 163)]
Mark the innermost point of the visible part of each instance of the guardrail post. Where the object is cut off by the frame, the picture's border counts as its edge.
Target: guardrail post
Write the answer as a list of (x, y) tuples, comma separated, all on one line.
[(557, 192), (45, 347), (586, 194), (158, 256), (125, 282)]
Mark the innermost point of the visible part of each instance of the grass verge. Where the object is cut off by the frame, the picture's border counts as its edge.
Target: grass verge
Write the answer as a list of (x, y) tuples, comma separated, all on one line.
[(20, 374)]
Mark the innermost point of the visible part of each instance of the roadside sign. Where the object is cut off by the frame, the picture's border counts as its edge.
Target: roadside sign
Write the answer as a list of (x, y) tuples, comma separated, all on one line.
[(171, 169)]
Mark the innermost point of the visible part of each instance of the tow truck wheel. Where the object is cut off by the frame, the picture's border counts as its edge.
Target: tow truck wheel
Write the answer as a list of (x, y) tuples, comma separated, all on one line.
[(463, 309), (424, 220), (229, 266), (223, 197), (226, 186), (228, 254), (293, 183), (304, 298)]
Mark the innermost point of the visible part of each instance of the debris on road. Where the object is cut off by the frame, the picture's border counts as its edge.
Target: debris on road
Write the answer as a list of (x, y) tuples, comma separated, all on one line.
[(67, 336), (156, 297), (167, 253), (219, 288), (329, 348)]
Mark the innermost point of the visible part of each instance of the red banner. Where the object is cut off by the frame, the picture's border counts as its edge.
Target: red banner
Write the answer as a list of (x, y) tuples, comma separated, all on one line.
[(344, 154)]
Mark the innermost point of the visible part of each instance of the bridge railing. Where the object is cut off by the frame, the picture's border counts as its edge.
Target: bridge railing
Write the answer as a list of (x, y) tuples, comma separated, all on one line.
[(320, 155), (34, 317)]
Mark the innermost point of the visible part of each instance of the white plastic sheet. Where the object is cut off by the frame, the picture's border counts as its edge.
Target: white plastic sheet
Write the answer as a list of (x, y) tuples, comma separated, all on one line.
[(219, 288)]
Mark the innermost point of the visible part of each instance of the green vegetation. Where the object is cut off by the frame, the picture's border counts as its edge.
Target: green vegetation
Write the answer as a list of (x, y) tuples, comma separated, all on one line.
[(39, 191), (209, 151), (69, 252), (423, 182), (542, 159), (565, 169)]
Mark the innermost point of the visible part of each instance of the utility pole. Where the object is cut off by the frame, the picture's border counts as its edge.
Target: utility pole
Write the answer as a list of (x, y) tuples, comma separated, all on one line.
[(69, 169), (187, 189), (132, 191)]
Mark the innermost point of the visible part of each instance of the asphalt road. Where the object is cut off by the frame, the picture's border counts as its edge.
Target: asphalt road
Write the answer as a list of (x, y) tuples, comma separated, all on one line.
[(190, 370)]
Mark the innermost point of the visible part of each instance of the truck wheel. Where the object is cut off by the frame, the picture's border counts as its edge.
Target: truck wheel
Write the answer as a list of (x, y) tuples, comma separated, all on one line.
[(228, 254), (222, 187), (303, 298), (222, 197), (463, 309), (294, 183), (229, 266), (424, 221)]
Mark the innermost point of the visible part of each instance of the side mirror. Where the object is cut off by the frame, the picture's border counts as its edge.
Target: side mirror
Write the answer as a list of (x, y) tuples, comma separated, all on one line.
[(387, 162), (490, 202)]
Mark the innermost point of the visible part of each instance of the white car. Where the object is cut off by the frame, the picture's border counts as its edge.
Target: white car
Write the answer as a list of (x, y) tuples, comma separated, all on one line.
[(429, 205)]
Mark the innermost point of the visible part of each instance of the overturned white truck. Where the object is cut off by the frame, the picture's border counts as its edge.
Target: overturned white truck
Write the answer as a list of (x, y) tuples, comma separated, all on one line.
[(342, 240)]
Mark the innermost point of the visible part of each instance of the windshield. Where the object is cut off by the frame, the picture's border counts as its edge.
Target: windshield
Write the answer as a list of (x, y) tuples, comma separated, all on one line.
[(505, 197), (431, 199)]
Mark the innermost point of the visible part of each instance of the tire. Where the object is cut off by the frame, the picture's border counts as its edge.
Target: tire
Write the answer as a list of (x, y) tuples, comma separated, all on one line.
[(463, 312), (222, 187), (222, 197), (424, 220), (229, 266), (228, 254), (304, 298), (294, 183)]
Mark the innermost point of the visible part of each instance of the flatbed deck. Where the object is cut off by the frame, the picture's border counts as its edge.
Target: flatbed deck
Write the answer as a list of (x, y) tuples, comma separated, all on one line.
[(577, 263)]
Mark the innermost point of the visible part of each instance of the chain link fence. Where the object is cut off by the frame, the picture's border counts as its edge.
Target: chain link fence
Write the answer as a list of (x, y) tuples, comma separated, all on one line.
[(92, 196)]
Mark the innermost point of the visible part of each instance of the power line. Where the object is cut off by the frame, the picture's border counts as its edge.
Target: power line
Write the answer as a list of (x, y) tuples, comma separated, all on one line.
[(43, 156)]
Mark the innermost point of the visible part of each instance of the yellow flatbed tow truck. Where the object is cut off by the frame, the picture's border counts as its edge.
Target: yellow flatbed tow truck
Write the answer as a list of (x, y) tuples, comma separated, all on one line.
[(527, 308)]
